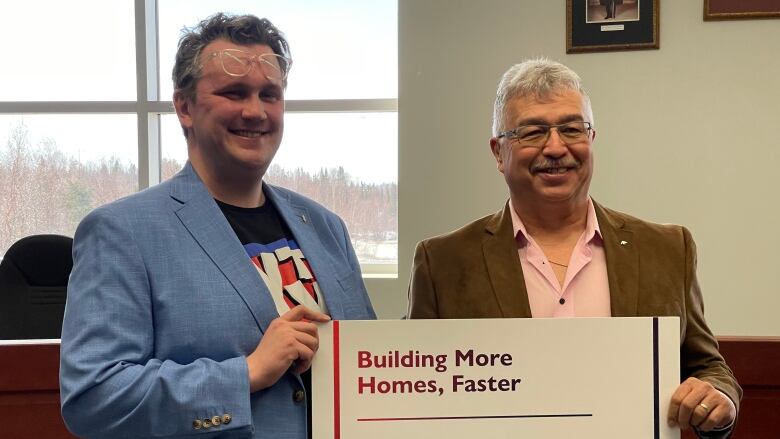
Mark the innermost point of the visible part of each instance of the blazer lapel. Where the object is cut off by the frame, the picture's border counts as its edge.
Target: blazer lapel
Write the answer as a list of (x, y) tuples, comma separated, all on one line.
[(622, 255), (300, 222), (499, 249), (201, 216)]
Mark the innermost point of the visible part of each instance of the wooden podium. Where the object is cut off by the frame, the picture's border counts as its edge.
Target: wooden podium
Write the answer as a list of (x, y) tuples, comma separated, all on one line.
[(30, 395)]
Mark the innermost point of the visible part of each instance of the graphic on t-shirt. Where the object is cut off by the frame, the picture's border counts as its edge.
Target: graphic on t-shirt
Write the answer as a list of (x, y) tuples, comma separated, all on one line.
[(287, 274)]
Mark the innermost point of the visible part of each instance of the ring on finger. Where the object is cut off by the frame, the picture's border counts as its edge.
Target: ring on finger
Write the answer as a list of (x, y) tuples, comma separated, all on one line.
[(704, 406)]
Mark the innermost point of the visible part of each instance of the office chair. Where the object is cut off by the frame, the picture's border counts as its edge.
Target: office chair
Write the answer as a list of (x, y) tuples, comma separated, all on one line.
[(33, 285)]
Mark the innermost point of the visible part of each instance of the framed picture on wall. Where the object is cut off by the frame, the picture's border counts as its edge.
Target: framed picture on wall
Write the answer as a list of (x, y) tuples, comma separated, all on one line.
[(608, 25), (740, 9)]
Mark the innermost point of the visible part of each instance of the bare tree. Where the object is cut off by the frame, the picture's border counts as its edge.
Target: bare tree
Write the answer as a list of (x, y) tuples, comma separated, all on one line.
[(47, 191)]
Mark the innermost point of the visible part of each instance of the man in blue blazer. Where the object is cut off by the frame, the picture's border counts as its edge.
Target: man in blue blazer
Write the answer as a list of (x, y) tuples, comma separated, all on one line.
[(191, 305)]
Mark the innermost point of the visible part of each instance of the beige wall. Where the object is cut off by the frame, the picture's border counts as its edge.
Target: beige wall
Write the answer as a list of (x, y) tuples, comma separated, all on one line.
[(687, 134)]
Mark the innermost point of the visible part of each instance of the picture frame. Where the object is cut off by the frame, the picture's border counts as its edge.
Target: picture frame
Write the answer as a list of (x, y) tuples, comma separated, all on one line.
[(715, 10), (604, 25)]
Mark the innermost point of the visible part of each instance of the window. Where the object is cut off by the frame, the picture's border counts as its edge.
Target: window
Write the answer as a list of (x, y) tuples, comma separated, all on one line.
[(86, 117)]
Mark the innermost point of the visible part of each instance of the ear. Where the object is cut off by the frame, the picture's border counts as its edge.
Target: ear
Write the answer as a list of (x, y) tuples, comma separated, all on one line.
[(183, 106), (495, 148)]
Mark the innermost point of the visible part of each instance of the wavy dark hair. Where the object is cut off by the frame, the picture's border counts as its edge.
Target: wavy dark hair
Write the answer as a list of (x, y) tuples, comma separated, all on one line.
[(238, 29)]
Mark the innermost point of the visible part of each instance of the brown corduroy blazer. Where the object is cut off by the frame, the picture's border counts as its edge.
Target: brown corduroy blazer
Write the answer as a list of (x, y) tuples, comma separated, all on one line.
[(475, 272)]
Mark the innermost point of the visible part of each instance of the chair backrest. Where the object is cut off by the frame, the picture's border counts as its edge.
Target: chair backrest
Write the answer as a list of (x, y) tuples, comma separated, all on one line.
[(33, 287)]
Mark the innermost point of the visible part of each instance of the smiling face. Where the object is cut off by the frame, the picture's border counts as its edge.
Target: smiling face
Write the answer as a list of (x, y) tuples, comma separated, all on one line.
[(554, 172), (235, 123)]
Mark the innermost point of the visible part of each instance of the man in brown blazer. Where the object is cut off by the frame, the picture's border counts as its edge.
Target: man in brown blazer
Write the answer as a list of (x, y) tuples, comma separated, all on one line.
[(554, 252)]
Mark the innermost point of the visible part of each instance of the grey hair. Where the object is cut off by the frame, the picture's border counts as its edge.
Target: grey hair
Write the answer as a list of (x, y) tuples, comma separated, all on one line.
[(238, 29), (539, 79)]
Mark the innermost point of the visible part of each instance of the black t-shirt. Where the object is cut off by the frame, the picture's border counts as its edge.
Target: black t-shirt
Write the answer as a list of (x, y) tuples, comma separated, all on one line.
[(261, 225), (272, 249)]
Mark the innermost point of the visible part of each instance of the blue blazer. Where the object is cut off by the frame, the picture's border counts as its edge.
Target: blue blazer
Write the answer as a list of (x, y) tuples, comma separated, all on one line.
[(164, 305)]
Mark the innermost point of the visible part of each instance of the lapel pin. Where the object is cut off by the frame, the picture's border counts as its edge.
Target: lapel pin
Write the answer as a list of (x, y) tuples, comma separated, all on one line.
[(303, 218), (623, 242)]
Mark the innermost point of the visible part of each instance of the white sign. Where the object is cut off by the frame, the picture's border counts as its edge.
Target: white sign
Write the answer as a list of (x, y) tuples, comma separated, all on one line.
[(494, 378)]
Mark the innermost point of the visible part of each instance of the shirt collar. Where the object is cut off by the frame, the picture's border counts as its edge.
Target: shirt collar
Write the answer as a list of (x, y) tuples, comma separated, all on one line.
[(592, 230)]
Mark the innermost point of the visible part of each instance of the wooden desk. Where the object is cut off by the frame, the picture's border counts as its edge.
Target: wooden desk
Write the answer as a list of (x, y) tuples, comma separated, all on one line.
[(756, 364), (30, 395), (30, 390)]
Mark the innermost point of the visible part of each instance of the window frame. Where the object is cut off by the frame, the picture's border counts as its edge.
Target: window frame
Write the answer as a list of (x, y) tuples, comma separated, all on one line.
[(148, 108)]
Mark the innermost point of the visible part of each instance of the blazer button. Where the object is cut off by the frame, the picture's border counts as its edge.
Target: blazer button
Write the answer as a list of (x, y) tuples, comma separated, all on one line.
[(216, 420), (299, 396), (226, 419), (196, 424), (207, 423)]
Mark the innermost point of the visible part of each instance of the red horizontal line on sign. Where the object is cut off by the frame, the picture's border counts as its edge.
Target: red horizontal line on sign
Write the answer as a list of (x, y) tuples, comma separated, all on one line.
[(437, 418)]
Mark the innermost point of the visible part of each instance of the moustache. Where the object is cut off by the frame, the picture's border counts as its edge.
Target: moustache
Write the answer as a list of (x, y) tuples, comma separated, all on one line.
[(544, 164)]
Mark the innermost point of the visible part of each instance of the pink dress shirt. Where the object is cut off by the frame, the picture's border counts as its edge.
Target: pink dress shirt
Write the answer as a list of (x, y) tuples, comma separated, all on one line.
[(585, 290)]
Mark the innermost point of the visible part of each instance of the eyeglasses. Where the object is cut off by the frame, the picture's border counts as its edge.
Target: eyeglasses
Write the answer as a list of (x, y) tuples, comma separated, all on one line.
[(536, 136), (237, 62)]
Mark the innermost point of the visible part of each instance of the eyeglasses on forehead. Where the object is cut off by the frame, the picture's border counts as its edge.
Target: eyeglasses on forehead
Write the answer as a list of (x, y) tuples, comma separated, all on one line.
[(237, 62)]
